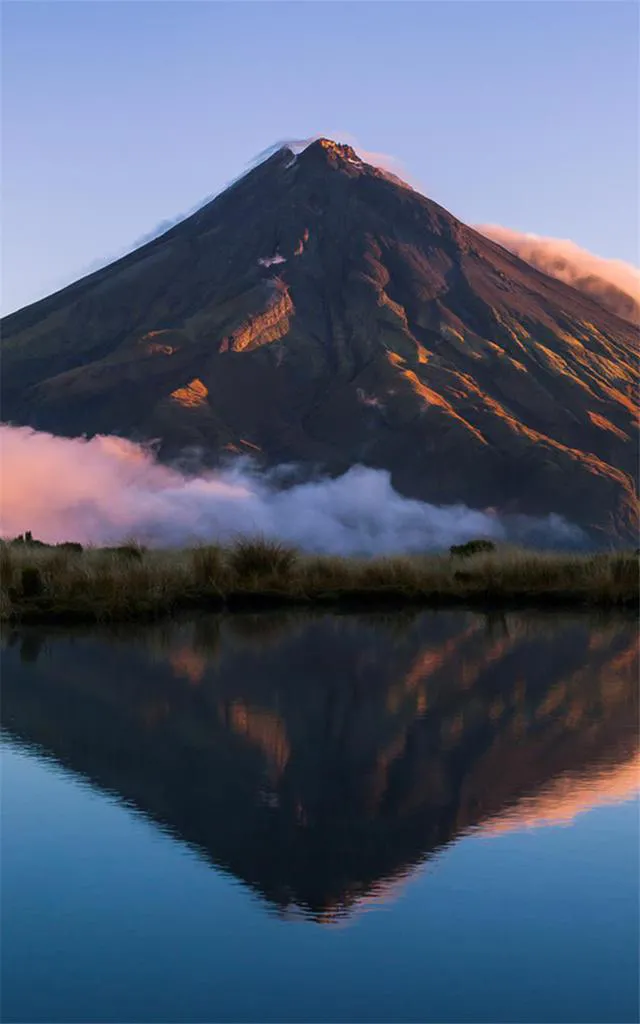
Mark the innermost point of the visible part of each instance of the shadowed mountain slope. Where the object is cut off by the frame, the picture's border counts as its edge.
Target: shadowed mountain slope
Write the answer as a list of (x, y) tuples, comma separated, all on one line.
[(321, 311)]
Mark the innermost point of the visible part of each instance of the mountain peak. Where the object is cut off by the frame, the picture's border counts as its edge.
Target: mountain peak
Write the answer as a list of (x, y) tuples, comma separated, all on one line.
[(336, 154), (339, 150), (341, 156)]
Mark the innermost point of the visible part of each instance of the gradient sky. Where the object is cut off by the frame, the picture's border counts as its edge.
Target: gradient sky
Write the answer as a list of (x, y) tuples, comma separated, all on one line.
[(118, 115)]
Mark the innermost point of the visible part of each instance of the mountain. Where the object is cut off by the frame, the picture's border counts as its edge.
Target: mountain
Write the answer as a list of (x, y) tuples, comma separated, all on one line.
[(321, 311), (408, 733)]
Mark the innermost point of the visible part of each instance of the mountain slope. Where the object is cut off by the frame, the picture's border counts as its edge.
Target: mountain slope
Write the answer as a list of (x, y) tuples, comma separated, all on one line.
[(321, 311)]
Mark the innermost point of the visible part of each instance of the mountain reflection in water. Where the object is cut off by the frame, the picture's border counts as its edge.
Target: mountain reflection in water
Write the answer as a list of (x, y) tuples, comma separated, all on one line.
[(322, 759)]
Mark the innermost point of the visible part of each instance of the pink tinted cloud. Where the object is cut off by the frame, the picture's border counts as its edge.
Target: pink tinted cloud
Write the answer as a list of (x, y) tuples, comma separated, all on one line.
[(108, 489), (596, 276)]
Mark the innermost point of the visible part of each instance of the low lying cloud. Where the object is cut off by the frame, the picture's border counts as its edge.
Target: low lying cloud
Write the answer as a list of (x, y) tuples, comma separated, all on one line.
[(107, 489), (613, 283)]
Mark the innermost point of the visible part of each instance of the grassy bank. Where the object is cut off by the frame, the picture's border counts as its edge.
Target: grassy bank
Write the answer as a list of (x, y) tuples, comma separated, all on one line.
[(111, 584)]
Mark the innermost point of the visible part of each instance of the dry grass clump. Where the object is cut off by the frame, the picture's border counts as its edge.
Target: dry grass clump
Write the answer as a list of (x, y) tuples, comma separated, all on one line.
[(325, 574), (254, 558), (37, 581), (208, 566), (93, 585), (391, 573)]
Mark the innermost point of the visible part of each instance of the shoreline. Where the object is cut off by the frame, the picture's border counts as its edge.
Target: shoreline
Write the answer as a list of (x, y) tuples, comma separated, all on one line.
[(43, 584)]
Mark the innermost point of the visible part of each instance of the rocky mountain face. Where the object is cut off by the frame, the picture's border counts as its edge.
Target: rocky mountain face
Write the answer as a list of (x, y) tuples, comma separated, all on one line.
[(409, 732), (321, 311)]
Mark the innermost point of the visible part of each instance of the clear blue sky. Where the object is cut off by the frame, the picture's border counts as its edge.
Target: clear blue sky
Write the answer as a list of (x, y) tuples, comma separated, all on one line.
[(118, 115)]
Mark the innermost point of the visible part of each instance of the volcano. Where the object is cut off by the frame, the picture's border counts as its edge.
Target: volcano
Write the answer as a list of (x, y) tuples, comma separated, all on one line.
[(322, 312)]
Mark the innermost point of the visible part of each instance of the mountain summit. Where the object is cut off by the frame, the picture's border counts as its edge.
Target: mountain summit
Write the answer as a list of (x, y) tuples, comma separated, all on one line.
[(323, 312)]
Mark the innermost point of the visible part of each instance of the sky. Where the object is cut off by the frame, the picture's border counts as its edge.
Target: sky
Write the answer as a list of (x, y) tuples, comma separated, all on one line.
[(119, 115)]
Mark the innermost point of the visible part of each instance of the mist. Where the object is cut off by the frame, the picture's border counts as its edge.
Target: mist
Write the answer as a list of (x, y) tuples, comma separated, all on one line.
[(106, 489), (615, 284)]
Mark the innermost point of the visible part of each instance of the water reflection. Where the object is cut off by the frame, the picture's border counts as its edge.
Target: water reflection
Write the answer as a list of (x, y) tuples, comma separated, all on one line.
[(321, 759)]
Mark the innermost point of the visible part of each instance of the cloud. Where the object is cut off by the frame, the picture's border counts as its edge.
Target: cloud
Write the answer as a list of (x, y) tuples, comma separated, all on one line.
[(107, 488), (160, 229), (613, 283)]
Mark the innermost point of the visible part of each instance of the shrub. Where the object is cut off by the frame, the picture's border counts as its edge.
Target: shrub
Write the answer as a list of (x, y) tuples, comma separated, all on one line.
[(257, 556), (70, 545), (6, 566), (27, 538), (31, 580), (472, 547), (463, 577)]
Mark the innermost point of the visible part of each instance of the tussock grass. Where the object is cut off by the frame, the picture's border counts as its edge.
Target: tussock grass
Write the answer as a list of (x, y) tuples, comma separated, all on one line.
[(208, 566), (258, 557), (101, 584)]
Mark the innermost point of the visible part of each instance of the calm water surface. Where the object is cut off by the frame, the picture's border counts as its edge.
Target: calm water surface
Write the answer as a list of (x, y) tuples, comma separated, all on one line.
[(422, 817)]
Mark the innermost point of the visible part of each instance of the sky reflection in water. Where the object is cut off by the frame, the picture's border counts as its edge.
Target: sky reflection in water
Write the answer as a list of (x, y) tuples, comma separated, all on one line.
[(327, 766)]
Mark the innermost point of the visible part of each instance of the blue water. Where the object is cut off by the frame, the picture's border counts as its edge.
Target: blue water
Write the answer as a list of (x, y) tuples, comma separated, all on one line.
[(421, 896)]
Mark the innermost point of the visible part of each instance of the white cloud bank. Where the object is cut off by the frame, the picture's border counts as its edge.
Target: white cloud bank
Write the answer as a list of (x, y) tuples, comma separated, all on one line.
[(108, 489)]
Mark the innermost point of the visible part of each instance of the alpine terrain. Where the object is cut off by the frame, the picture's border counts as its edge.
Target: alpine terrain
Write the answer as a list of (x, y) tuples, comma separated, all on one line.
[(322, 312)]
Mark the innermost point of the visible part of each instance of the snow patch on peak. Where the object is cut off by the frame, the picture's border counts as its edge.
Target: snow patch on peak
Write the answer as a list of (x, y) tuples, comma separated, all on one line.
[(270, 261)]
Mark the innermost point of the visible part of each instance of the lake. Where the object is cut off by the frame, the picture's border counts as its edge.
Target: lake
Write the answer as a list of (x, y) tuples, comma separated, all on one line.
[(280, 817)]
